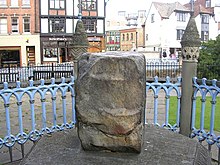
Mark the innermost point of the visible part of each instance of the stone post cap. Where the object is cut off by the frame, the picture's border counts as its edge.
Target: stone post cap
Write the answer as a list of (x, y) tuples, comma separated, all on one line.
[(191, 35), (80, 43), (190, 42), (80, 36), (80, 27)]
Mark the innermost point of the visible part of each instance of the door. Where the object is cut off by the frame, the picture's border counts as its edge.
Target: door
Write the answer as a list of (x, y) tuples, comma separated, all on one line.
[(30, 55)]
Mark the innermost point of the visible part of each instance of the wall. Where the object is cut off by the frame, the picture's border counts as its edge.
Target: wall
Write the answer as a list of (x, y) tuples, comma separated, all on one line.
[(162, 33), (152, 30), (19, 41)]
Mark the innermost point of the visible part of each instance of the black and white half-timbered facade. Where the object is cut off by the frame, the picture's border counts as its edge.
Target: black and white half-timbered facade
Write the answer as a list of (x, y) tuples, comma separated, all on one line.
[(58, 19)]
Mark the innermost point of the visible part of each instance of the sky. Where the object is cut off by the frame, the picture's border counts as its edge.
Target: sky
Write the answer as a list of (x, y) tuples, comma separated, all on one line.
[(131, 6)]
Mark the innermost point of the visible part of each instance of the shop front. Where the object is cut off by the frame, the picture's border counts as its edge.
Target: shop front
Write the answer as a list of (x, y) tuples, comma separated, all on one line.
[(55, 49), (96, 44)]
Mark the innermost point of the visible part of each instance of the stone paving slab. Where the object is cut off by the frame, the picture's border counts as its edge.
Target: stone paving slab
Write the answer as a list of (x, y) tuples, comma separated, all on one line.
[(161, 147)]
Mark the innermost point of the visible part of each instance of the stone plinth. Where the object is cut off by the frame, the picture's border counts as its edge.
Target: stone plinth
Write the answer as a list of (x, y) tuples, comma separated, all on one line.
[(161, 147), (110, 101)]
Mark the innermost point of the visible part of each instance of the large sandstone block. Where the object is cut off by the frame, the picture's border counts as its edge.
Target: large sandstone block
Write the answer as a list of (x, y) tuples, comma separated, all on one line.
[(110, 101)]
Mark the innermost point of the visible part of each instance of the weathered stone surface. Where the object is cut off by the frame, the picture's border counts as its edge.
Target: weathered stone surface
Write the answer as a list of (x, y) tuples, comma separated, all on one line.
[(161, 147), (80, 42), (110, 101), (191, 42)]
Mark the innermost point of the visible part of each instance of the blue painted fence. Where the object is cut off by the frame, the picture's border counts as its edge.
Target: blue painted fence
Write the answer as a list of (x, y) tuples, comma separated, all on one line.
[(167, 88), (55, 97), (203, 90), (20, 95)]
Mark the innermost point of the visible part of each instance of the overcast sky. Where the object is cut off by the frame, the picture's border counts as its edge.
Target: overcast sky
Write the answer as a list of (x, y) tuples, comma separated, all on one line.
[(113, 6)]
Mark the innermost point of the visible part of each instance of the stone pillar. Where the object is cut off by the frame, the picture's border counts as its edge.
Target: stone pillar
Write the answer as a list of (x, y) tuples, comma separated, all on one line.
[(110, 101), (190, 53), (79, 45)]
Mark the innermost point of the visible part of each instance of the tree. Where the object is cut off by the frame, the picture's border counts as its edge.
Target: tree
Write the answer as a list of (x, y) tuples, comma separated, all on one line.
[(209, 60)]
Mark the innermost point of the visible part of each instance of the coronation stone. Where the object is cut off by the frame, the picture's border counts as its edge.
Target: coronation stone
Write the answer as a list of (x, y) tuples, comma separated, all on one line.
[(110, 101)]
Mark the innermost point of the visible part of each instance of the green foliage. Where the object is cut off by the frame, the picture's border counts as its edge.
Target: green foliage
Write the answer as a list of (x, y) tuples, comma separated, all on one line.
[(209, 59)]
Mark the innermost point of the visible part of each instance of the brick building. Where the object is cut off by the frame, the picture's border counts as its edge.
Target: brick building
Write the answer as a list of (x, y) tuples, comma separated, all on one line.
[(131, 39), (40, 31), (112, 40), (19, 32)]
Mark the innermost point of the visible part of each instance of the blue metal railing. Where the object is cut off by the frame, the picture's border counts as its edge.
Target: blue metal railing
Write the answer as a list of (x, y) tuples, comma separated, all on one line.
[(205, 88), (65, 90), (167, 88), (18, 94)]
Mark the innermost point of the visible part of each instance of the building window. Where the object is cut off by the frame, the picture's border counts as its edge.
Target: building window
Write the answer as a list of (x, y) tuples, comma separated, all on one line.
[(14, 2), (132, 36), (117, 39), (90, 25), (50, 53), (123, 37), (89, 5), (26, 3), (3, 2), (127, 37), (121, 13), (180, 33), (207, 3), (26, 25), (108, 23), (141, 13), (204, 35), (152, 18), (57, 25), (112, 33), (57, 4), (14, 25), (181, 17), (146, 37), (3, 25), (110, 40), (205, 18)]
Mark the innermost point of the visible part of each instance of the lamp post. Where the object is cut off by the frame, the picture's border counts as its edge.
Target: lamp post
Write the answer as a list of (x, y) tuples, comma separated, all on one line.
[(80, 9), (106, 1), (192, 7)]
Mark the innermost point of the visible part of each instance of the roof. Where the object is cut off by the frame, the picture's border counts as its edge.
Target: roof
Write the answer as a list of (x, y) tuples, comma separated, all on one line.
[(200, 9), (166, 9)]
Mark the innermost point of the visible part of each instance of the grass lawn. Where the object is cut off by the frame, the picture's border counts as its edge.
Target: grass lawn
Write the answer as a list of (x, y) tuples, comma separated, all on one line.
[(173, 109)]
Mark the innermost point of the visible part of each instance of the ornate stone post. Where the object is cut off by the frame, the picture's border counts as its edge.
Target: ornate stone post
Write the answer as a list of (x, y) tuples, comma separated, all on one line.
[(190, 53), (79, 44)]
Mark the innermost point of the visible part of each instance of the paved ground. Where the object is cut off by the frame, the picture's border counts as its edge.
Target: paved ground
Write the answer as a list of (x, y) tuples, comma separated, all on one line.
[(4, 152), (160, 147)]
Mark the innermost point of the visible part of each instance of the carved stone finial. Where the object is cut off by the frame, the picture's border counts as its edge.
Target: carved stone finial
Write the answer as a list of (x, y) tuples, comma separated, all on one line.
[(80, 28), (80, 42), (191, 42)]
